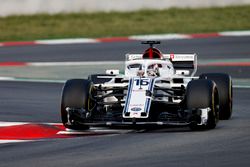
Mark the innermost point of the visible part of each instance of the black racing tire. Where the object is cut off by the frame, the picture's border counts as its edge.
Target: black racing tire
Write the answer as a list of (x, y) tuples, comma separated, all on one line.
[(75, 94), (225, 88), (94, 78), (201, 94)]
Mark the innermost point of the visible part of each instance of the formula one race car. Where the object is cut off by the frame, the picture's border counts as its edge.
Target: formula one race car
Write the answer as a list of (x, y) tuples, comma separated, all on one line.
[(156, 89)]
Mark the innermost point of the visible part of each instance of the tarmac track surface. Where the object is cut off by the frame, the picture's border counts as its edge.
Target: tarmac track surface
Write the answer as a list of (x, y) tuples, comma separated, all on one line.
[(206, 48), (227, 145)]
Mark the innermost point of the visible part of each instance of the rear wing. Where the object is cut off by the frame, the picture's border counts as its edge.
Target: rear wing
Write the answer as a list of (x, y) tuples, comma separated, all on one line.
[(184, 64)]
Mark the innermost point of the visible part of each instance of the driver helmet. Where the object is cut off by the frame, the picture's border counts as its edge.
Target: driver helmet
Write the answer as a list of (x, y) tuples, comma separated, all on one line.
[(152, 53)]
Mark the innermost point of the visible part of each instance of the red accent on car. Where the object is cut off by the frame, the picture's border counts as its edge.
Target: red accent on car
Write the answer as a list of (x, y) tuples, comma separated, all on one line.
[(150, 53), (171, 56)]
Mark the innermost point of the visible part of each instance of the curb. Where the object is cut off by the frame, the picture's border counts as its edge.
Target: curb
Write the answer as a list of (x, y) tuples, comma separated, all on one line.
[(123, 39), (14, 132)]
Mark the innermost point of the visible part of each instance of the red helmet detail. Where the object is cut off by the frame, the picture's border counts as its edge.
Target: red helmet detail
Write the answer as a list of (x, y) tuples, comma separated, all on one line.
[(152, 53)]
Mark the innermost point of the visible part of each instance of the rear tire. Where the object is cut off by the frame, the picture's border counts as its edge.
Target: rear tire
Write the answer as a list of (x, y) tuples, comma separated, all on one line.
[(224, 85), (202, 94), (75, 94)]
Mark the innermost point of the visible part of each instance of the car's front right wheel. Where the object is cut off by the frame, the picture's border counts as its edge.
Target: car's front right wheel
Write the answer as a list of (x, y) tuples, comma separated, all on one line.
[(75, 94)]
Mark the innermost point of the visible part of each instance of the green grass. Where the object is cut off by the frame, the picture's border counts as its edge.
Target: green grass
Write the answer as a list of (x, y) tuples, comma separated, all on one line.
[(77, 25)]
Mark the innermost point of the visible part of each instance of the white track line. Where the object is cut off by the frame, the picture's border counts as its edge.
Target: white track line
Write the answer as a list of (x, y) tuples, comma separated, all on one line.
[(13, 141), (31, 80), (5, 124), (241, 86), (235, 33), (66, 41), (85, 63), (160, 37), (7, 78)]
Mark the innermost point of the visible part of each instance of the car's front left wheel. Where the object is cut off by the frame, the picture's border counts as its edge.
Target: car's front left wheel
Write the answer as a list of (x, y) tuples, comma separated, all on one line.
[(203, 94)]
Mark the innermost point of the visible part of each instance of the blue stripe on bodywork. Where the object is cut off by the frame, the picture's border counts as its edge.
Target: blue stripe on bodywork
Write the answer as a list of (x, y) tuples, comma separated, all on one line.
[(148, 101), (131, 81), (146, 105), (152, 85)]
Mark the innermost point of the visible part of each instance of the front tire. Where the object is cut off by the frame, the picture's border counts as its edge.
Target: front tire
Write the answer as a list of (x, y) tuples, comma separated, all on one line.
[(201, 94), (75, 94)]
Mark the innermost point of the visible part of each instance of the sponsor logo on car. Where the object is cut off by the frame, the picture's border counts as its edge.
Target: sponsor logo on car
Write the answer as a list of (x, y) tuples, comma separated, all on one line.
[(136, 109)]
